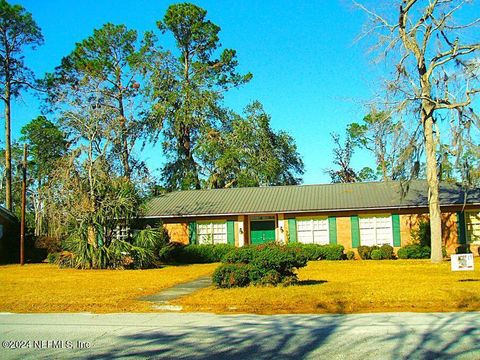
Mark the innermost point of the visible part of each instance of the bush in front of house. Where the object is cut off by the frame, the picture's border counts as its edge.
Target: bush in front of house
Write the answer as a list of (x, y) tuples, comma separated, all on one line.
[(376, 254), (268, 264), (194, 254), (384, 252), (321, 252), (422, 235), (417, 251), (414, 251), (350, 255), (387, 252), (232, 275), (365, 252)]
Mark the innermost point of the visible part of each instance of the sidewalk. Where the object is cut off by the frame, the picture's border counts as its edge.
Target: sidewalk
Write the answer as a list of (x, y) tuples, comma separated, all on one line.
[(162, 299)]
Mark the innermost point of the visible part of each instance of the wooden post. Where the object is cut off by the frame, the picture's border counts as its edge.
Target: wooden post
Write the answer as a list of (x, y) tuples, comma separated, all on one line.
[(24, 200)]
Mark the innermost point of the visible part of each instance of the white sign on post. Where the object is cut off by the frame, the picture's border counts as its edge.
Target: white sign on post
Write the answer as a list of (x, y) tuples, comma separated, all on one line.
[(462, 262)]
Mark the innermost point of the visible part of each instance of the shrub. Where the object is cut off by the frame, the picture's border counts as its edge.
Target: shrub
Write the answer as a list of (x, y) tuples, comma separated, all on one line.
[(414, 251), (332, 252), (376, 254), (232, 275), (244, 255), (320, 252), (422, 235), (387, 251), (364, 252), (268, 264), (191, 254), (311, 251), (350, 255), (52, 258)]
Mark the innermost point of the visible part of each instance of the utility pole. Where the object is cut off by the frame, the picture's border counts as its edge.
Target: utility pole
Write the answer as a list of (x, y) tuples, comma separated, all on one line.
[(24, 200)]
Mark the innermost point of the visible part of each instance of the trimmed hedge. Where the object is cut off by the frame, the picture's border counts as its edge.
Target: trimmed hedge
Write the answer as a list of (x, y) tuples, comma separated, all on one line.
[(268, 264), (320, 252), (194, 254), (384, 252), (350, 255), (232, 275), (414, 251), (376, 254)]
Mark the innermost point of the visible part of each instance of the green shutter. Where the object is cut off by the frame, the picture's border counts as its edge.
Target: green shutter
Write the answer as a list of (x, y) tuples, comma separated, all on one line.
[(462, 238), (397, 240), (192, 232), (231, 232), (292, 230), (355, 231), (332, 229)]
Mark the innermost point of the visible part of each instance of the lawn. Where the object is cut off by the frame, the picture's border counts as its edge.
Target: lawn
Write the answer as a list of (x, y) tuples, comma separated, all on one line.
[(352, 287), (46, 288), (326, 287)]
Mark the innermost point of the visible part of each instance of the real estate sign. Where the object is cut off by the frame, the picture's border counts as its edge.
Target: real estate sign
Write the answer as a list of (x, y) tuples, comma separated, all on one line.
[(462, 262)]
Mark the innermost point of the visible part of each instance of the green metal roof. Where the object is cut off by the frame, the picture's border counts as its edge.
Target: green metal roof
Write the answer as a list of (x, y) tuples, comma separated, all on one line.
[(304, 198)]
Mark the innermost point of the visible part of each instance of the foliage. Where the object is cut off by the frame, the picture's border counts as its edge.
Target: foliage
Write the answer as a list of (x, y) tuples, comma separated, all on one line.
[(188, 91), (422, 234), (342, 156), (265, 158), (383, 252), (350, 255), (382, 136), (387, 251), (194, 254), (320, 252), (18, 31), (365, 251), (376, 254), (232, 275), (104, 71), (414, 251), (434, 76), (46, 145), (52, 258), (267, 264)]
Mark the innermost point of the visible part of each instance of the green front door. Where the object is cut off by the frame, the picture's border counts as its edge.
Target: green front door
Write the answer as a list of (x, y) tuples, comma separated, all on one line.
[(262, 231)]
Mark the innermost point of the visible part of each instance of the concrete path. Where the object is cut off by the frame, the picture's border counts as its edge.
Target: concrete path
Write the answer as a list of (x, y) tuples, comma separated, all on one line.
[(208, 336), (162, 299)]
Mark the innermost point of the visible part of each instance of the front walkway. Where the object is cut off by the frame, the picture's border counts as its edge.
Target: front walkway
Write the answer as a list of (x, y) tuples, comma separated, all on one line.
[(162, 299)]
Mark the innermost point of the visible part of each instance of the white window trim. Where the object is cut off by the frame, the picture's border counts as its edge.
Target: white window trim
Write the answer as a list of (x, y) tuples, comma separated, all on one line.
[(211, 233), (312, 231), (375, 229), (468, 233)]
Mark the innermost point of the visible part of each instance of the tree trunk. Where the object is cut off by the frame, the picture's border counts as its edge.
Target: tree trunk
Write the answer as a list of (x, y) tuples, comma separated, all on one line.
[(8, 151), (124, 153), (433, 186)]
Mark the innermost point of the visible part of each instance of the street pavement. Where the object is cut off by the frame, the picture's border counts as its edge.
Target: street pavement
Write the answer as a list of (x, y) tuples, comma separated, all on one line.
[(209, 336)]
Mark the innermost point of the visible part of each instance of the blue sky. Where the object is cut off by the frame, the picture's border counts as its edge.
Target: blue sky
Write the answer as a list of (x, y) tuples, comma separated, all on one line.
[(308, 71)]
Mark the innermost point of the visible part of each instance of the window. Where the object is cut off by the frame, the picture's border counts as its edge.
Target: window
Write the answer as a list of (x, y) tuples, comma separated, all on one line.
[(212, 232), (376, 230), (121, 232), (472, 221), (313, 230)]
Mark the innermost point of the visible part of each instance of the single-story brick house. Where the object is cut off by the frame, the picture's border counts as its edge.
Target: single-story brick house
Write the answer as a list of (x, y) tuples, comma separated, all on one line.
[(354, 214)]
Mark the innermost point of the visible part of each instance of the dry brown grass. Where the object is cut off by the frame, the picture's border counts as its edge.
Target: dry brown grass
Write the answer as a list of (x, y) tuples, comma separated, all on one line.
[(46, 288), (352, 287)]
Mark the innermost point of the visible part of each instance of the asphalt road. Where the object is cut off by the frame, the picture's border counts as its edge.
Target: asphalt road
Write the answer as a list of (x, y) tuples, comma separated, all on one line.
[(208, 336)]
